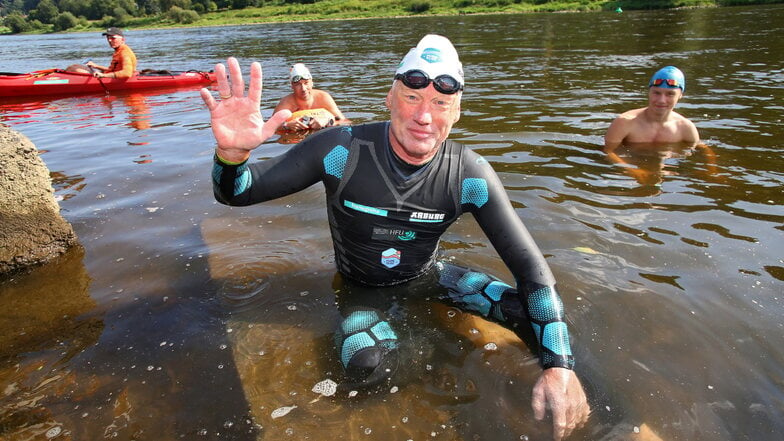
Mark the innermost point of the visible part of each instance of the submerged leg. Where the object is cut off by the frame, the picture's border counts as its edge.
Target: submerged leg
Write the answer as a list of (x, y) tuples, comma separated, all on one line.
[(541, 308)]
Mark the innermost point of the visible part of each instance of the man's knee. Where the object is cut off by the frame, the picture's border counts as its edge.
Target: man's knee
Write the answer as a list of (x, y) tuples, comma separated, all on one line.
[(475, 291), (368, 347)]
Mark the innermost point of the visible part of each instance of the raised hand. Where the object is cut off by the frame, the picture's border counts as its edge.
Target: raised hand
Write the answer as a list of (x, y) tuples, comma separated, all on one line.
[(236, 119)]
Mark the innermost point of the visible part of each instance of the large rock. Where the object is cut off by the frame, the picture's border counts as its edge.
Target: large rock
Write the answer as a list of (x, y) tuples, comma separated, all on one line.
[(32, 231)]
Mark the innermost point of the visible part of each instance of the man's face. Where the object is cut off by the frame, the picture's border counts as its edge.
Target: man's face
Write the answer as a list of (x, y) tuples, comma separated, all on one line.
[(115, 41), (420, 120), (302, 88), (663, 99)]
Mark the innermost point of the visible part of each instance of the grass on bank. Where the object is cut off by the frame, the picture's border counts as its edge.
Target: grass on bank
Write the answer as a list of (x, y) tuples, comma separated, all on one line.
[(352, 9)]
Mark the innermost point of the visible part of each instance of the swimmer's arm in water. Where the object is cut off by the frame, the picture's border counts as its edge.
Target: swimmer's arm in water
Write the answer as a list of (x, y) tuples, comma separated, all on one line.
[(613, 139), (557, 388), (518, 250), (618, 131), (331, 105)]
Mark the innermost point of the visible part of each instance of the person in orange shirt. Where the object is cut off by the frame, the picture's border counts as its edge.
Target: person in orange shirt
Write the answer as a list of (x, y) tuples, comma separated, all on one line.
[(123, 62)]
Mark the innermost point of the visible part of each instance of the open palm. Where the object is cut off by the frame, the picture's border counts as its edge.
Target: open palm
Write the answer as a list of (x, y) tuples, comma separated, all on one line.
[(236, 120)]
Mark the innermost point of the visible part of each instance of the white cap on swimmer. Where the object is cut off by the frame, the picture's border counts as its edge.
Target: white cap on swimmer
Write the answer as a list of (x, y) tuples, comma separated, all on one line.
[(299, 72), (434, 55)]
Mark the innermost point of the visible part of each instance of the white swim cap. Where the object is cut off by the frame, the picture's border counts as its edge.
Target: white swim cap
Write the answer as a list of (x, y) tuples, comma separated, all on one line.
[(434, 55), (299, 72)]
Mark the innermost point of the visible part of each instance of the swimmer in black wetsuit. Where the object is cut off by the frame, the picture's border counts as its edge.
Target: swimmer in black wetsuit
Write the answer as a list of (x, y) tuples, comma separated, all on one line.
[(392, 190)]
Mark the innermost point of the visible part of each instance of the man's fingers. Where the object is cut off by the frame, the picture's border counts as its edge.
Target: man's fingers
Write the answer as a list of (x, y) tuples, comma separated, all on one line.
[(560, 425), (256, 77), (206, 96), (538, 404), (235, 74), (274, 122), (223, 82)]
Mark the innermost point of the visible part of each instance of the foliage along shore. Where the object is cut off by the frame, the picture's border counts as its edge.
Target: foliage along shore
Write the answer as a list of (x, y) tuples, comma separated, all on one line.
[(46, 16)]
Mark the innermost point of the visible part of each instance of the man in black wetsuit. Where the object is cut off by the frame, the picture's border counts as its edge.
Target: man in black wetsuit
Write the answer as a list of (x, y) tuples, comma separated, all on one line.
[(392, 190)]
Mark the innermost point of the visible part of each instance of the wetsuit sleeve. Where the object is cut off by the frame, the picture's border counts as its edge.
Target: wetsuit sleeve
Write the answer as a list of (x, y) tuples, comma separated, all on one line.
[(245, 184), (484, 195)]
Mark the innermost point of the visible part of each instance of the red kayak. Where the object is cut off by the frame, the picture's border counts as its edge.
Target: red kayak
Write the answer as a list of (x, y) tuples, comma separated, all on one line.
[(59, 82)]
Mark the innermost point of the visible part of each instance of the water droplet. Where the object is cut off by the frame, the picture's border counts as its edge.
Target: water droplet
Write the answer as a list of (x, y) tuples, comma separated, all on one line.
[(491, 346), (149, 368), (292, 307), (393, 390), (368, 430)]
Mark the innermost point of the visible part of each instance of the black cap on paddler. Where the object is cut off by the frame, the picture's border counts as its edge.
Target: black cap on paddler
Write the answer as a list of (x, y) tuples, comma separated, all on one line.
[(113, 31)]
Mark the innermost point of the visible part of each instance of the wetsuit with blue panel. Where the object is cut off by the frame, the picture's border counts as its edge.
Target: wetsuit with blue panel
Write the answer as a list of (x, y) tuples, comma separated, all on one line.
[(386, 219)]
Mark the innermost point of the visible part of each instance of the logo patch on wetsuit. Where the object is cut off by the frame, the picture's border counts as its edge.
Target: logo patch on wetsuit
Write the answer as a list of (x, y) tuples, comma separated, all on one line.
[(380, 233), (421, 216), (390, 258)]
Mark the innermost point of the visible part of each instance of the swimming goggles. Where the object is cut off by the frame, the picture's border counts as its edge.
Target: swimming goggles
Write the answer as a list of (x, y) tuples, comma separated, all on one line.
[(416, 79), (298, 78), (669, 81)]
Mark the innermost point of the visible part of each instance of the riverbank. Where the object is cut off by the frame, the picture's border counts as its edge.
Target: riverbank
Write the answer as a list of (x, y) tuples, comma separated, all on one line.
[(364, 9)]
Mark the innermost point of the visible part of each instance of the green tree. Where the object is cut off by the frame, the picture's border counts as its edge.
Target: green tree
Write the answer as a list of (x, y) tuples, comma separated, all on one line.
[(16, 23), (121, 17), (75, 7), (184, 16), (9, 6), (45, 12), (65, 21), (101, 8), (166, 5)]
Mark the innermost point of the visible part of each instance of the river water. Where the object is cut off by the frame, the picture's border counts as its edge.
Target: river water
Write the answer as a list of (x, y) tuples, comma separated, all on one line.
[(180, 318)]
